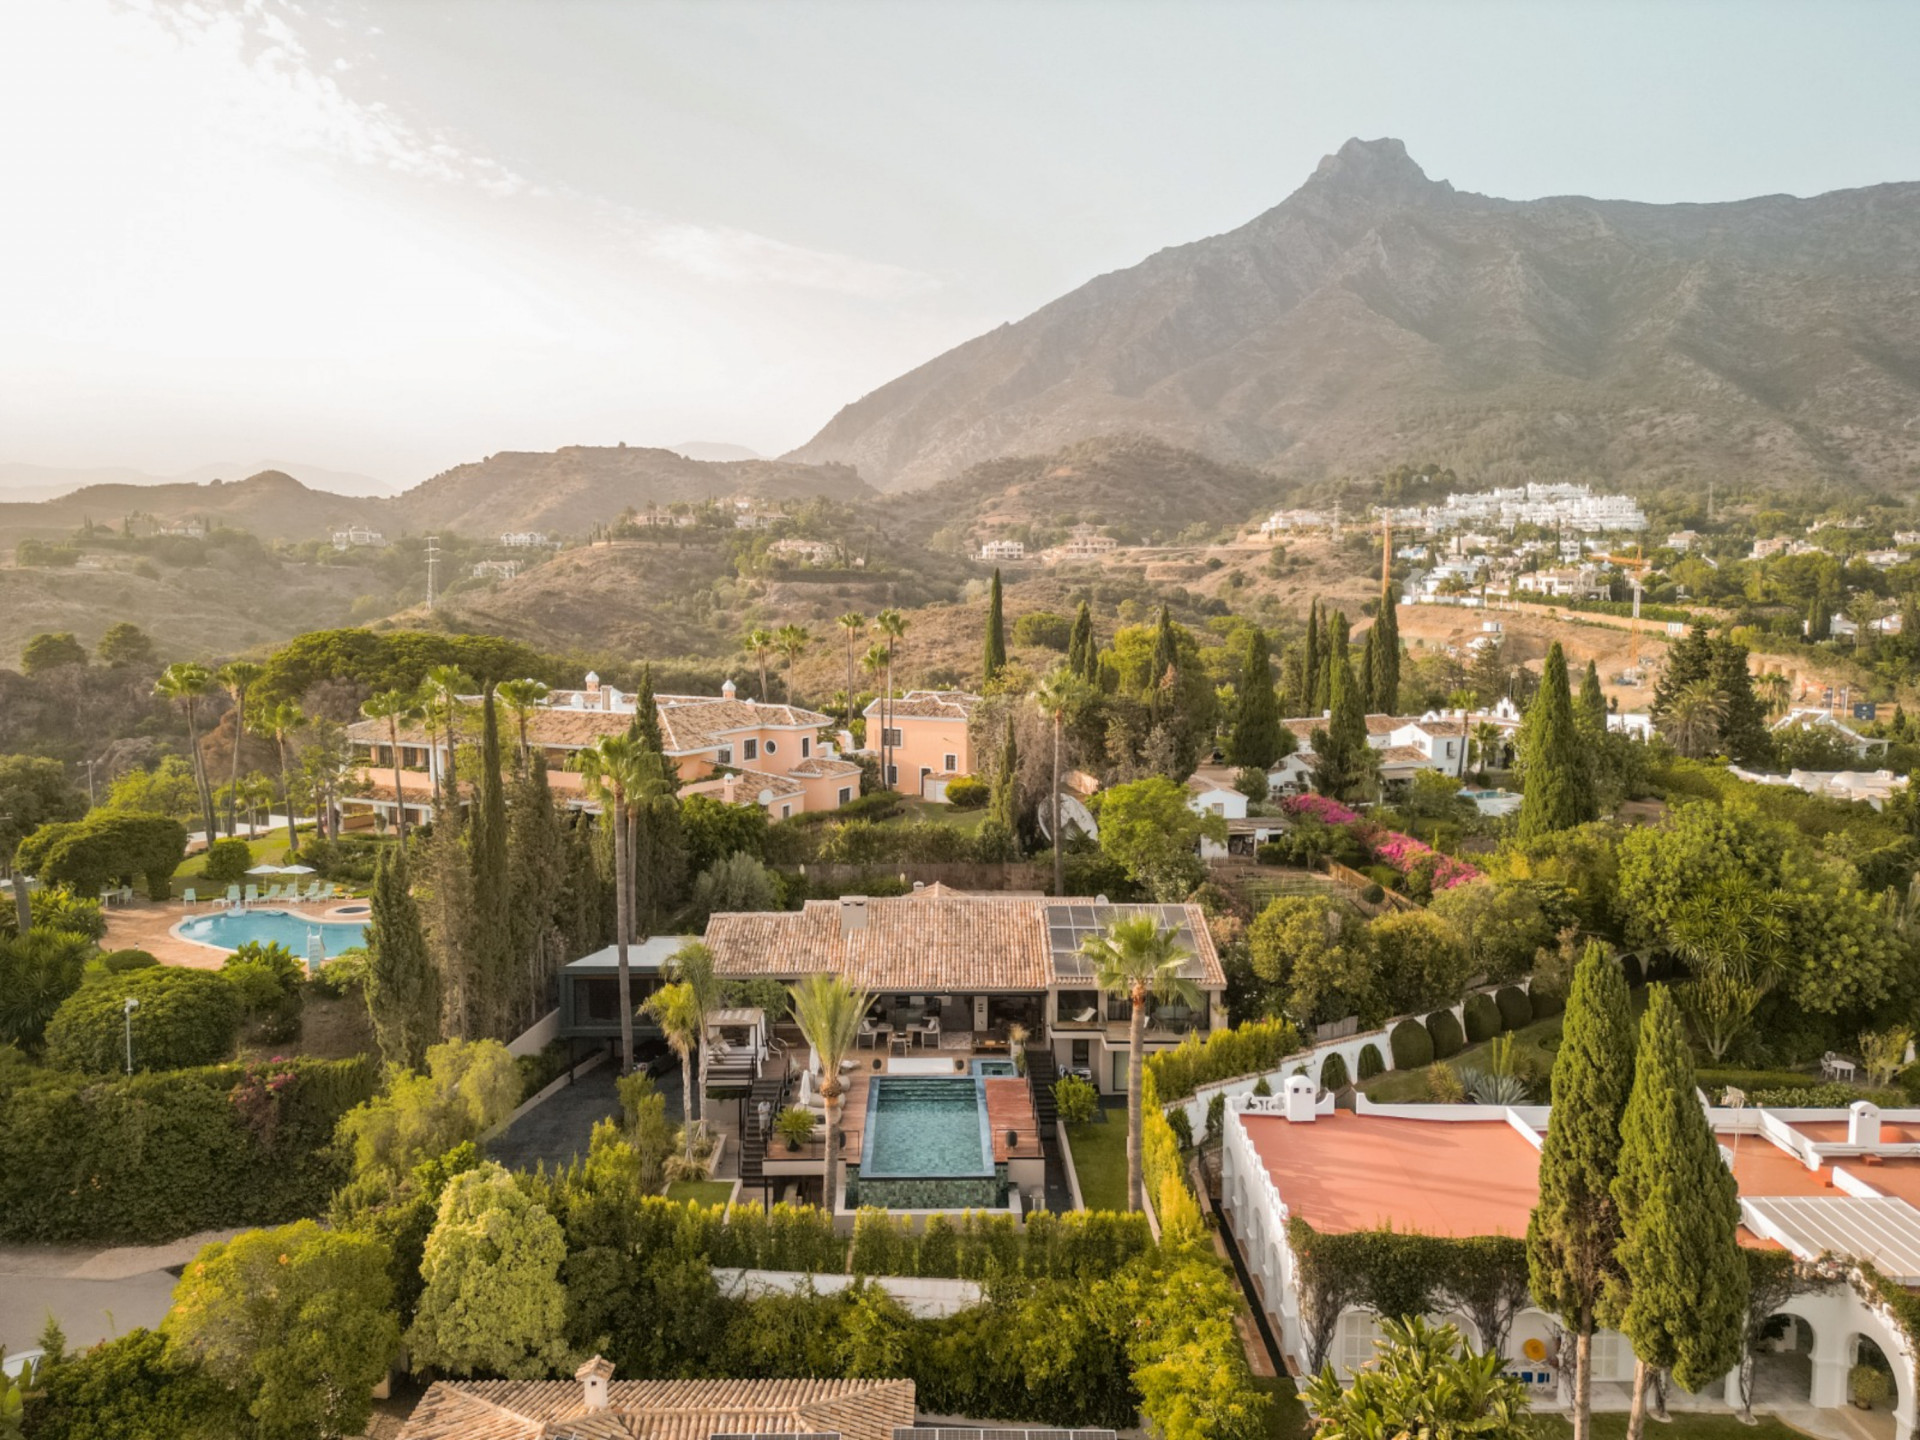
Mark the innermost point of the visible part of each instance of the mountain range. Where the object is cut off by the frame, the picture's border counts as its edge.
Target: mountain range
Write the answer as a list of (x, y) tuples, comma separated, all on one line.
[(1376, 315)]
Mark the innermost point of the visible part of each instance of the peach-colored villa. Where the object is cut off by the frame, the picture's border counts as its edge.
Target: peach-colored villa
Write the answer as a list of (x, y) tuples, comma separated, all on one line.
[(738, 751), (930, 740)]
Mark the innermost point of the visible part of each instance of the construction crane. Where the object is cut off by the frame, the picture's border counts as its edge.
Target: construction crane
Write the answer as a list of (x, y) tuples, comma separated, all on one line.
[(1633, 565)]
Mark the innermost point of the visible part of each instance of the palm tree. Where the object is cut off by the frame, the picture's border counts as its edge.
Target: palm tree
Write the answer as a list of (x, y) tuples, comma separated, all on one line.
[(1486, 743), (1136, 959), (393, 706), (1777, 690), (257, 793), (829, 1011), (760, 644), (677, 1013), (610, 769), (187, 683), (893, 626), (792, 641), (237, 676), (522, 697), (1692, 721), (692, 965), (1055, 695), (280, 722), (851, 625), (874, 662), (441, 691)]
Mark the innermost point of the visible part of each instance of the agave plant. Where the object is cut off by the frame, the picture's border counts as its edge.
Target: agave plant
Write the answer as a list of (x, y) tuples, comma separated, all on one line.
[(1492, 1089)]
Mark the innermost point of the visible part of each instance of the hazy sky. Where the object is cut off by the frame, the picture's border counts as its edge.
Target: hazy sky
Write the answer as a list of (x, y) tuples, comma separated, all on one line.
[(391, 237)]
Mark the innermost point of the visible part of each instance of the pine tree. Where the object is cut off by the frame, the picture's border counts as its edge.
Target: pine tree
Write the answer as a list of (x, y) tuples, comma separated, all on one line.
[(1743, 724), (1083, 657), (1592, 714), (1256, 733), (1681, 1292), (489, 929), (1342, 761), (1689, 661), (993, 657), (1559, 783), (1575, 1228), (402, 989)]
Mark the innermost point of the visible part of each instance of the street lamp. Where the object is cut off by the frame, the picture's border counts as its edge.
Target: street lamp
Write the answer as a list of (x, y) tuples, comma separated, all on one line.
[(129, 1005)]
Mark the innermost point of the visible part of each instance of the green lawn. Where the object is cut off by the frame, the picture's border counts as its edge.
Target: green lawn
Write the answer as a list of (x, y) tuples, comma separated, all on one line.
[(706, 1192), (1100, 1160), (269, 849), (1612, 1425), (965, 820)]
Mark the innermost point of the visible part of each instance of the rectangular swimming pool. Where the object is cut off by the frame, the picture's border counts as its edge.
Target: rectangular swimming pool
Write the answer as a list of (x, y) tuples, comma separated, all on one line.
[(925, 1127)]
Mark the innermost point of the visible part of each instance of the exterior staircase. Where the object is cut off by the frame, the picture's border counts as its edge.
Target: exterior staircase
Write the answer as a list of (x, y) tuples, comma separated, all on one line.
[(1041, 1074), (770, 1089)]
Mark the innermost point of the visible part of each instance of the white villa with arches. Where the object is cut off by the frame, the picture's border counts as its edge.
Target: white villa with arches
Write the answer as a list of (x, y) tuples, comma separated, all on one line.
[(1837, 1189)]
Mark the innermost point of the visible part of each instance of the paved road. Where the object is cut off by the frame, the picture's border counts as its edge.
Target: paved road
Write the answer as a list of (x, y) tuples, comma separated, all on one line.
[(94, 1294)]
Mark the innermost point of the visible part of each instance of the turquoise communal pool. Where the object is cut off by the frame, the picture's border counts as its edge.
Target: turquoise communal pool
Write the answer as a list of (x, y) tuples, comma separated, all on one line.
[(230, 929)]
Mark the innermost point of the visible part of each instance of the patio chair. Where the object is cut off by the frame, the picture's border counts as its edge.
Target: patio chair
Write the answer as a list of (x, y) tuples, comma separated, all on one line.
[(191, 898), (233, 895), (1085, 1017), (929, 1033), (868, 1033), (316, 891), (252, 896)]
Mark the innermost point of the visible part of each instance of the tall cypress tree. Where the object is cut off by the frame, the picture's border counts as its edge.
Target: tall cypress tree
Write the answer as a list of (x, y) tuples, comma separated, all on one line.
[(1386, 659), (1003, 804), (489, 932), (1342, 763), (1592, 714), (1334, 650), (1256, 732), (1369, 682), (1575, 1229), (646, 713), (1313, 695), (1082, 656), (1164, 683), (403, 988), (1681, 1294), (537, 866), (993, 657), (1559, 783), (1743, 721)]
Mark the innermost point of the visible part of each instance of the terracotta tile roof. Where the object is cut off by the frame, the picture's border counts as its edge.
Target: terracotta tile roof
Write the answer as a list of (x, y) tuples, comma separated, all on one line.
[(942, 942), (929, 705), (750, 785), (821, 765), (1402, 755), (660, 1409), (690, 724)]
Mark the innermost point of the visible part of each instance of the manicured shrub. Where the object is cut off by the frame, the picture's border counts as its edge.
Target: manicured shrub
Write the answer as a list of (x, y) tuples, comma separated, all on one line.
[(1370, 1062), (1412, 1046), (968, 792), (1516, 1009), (184, 1018), (1075, 1100), (1217, 1115), (1333, 1074), (1546, 1004), (166, 1155), (1249, 1049), (1631, 968), (1448, 1041), (57, 908), (1373, 894), (118, 962), (228, 862), (1181, 1125), (1262, 1086), (1482, 1017)]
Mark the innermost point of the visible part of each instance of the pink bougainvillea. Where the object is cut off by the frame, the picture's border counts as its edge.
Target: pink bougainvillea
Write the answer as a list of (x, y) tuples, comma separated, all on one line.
[(1403, 852), (1319, 807)]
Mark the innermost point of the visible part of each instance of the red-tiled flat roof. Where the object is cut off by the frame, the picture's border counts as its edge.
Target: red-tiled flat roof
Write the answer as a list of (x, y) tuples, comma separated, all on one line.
[(1763, 1168), (1437, 1177), (1898, 1178), (1834, 1132)]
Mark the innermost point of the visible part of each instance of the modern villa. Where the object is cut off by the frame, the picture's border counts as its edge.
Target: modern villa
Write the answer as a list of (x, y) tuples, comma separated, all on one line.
[(930, 739), (738, 751), (1835, 1188)]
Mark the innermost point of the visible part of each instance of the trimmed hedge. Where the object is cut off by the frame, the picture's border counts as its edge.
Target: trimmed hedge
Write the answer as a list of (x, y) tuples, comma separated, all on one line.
[(227, 862), (1545, 1003), (149, 1158), (1370, 1062), (1516, 1009), (1483, 1018), (119, 962), (1412, 1045), (1251, 1049), (1333, 1074), (1448, 1040), (184, 1018)]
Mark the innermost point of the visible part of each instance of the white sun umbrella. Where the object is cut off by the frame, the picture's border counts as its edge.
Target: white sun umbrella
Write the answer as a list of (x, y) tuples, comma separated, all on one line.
[(266, 870), (298, 870)]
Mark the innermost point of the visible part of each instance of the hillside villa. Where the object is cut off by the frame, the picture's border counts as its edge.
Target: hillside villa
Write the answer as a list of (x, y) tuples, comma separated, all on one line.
[(738, 751), (930, 739), (1405, 744), (1833, 1187)]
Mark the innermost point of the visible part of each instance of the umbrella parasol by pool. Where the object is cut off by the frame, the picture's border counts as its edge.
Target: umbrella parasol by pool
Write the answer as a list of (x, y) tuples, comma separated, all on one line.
[(266, 870)]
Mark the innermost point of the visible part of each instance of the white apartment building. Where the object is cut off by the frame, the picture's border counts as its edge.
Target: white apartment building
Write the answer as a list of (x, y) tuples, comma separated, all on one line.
[(1555, 506), (1003, 550)]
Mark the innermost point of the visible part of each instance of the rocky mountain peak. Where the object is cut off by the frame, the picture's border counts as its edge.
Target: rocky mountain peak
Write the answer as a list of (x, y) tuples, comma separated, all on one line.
[(1376, 170)]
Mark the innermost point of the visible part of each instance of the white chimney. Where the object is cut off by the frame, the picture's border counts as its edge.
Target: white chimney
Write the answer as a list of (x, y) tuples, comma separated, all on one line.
[(853, 913), (593, 1377), (726, 690), (593, 683), (1863, 1123), (1301, 1094), (726, 788)]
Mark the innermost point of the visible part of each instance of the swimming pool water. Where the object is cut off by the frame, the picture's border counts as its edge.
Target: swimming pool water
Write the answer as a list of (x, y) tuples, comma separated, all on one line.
[(995, 1068), (230, 929), (926, 1127)]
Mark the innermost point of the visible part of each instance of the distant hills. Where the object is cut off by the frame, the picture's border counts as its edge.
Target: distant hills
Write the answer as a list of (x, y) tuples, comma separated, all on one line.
[(1376, 314), (565, 490), (47, 482)]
